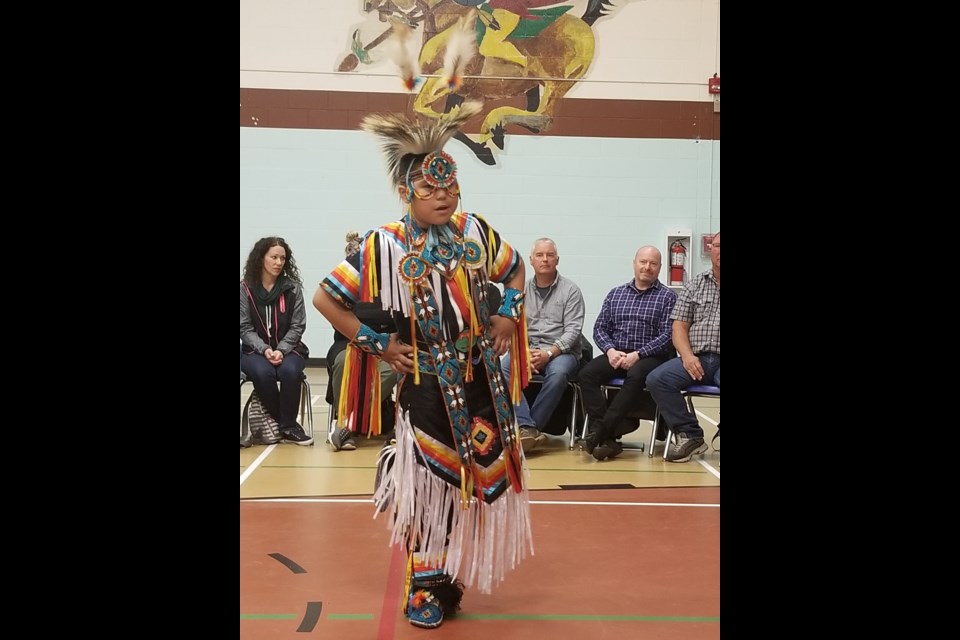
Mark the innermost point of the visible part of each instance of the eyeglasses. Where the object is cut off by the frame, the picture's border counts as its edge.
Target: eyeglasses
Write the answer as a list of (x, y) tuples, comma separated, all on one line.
[(426, 191)]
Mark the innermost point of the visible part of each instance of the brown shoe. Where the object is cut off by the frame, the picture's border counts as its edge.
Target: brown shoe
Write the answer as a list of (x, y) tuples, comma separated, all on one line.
[(529, 438)]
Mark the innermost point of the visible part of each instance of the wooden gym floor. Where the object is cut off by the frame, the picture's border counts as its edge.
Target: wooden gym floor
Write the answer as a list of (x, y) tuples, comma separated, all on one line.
[(626, 548)]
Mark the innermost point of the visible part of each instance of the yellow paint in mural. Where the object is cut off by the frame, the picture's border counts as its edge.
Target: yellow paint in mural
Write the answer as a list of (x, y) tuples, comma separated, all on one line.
[(526, 50)]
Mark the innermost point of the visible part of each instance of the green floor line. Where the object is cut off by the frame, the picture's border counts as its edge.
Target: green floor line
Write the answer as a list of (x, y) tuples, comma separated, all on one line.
[(588, 618), (503, 616), (698, 471), (657, 471), (314, 466)]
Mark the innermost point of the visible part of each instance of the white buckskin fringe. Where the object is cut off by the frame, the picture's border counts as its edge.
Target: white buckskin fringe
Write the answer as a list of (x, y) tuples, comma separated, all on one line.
[(486, 540)]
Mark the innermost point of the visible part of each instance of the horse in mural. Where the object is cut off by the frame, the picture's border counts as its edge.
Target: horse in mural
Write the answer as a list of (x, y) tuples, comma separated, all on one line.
[(555, 50)]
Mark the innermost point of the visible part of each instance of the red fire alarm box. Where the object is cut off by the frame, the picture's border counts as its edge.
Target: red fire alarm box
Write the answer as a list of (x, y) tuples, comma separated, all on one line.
[(707, 244), (713, 84)]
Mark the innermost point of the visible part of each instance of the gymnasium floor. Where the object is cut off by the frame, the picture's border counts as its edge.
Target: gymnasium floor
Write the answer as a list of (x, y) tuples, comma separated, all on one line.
[(625, 548)]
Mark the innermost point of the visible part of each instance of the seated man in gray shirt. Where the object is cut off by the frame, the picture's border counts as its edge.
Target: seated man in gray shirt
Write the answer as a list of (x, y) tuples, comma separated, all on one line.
[(555, 310)]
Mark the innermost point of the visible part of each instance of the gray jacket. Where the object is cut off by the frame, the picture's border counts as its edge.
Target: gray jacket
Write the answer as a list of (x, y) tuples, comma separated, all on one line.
[(261, 328), (556, 319)]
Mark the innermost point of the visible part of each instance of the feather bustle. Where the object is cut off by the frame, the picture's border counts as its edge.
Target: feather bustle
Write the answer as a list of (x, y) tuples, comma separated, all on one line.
[(405, 51), (461, 47)]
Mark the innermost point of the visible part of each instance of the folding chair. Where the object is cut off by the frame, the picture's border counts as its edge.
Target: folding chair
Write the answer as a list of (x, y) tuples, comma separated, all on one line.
[(695, 391), (641, 412)]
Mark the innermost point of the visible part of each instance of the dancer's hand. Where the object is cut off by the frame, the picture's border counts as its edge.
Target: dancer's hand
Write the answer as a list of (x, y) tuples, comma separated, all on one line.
[(502, 330), (398, 355)]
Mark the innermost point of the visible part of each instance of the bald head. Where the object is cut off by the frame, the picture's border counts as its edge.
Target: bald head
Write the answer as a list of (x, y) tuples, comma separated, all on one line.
[(649, 251), (646, 266)]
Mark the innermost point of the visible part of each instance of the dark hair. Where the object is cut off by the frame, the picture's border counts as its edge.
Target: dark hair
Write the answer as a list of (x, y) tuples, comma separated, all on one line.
[(413, 162), (254, 266)]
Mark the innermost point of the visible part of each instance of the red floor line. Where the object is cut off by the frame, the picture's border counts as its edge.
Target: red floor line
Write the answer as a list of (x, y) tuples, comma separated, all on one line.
[(392, 594)]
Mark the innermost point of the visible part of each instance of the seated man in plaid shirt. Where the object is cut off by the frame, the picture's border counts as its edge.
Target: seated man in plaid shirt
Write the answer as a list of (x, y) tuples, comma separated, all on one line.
[(696, 335), (633, 330)]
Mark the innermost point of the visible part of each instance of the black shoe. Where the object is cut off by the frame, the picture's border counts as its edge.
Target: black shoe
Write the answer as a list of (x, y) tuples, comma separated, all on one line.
[(609, 449), (685, 448), (295, 435), (590, 442)]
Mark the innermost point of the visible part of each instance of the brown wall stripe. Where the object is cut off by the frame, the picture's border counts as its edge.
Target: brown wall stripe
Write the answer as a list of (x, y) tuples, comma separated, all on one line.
[(594, 118)]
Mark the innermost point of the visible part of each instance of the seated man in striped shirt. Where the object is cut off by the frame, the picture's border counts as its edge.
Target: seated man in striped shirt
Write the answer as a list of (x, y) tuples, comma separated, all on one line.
[(634, 331)]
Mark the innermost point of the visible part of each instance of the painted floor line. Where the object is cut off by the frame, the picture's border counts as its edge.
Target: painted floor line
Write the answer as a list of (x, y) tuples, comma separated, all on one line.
[(256, 463), (710, 505)]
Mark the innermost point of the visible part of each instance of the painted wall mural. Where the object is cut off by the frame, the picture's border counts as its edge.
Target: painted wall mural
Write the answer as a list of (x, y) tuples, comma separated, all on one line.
[(530, 53)]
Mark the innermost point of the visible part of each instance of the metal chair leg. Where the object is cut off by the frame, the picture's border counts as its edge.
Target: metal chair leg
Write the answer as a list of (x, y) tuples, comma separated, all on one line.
[(306, 406), (244, 420), (331, 421), (653, 432), (573, 415), (666, 445)]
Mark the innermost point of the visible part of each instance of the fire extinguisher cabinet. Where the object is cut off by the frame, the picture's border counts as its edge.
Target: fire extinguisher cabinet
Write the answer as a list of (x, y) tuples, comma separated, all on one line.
[(678, 259)]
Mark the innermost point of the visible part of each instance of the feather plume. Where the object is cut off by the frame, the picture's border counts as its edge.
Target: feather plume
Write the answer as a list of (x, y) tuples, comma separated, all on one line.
[(405, 53), (401, 136), (461, 47)]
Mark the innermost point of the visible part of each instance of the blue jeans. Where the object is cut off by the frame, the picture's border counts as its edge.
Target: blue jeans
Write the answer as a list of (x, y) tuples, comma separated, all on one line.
[(667, 381), (555, 376), (283, 403)]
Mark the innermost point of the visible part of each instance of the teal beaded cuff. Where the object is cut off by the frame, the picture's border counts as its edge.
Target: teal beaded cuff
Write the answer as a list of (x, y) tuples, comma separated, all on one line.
[(369, 341), (512, 304)]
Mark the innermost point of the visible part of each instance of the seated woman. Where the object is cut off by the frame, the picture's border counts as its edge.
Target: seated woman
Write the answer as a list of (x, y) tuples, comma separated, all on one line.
[(272, 321)]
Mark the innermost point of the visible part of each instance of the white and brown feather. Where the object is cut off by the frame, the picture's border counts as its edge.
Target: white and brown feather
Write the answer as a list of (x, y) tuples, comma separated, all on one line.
[(401, 135)]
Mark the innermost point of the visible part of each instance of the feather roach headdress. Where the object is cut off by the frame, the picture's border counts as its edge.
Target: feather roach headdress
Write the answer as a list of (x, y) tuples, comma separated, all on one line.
[(402, 136)]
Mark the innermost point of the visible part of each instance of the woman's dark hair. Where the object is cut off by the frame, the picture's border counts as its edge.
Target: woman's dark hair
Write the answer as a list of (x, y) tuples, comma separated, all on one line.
[(254, 266)]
